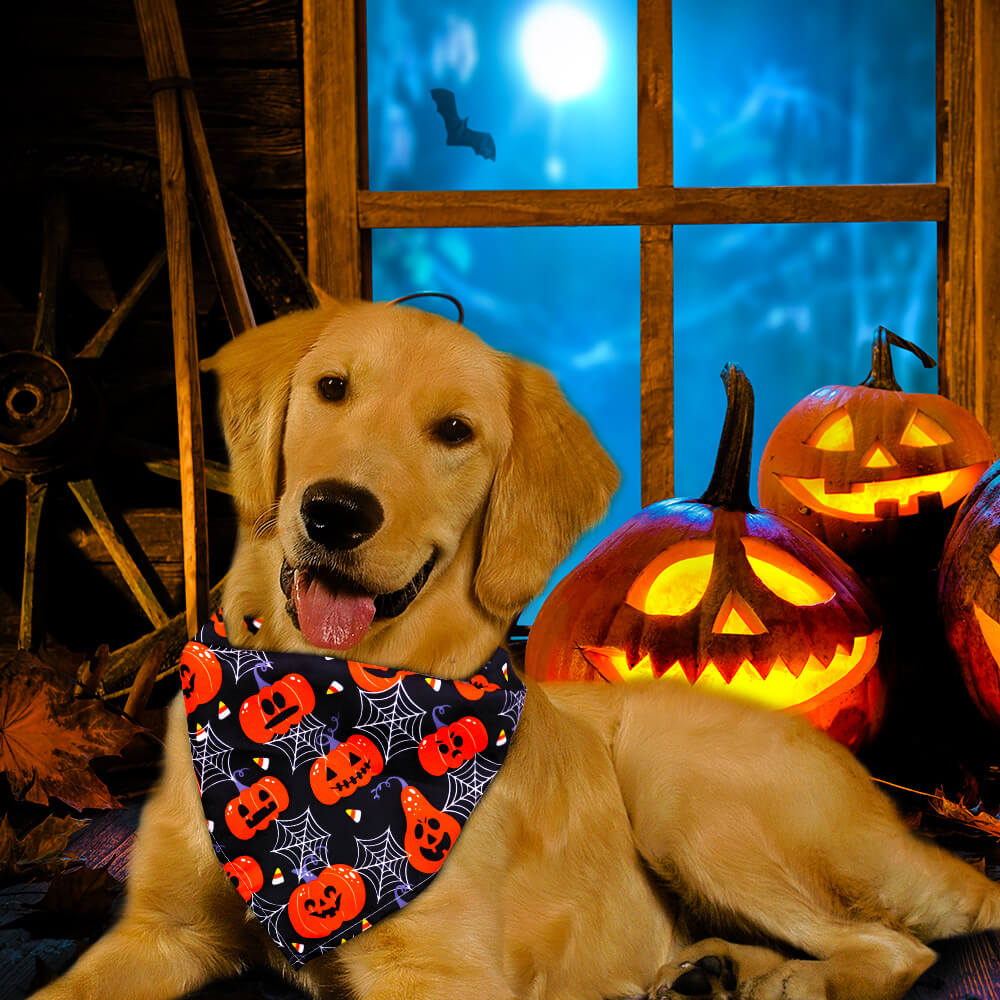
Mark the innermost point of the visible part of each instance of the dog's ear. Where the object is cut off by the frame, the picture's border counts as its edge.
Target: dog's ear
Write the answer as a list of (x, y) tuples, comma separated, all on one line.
[(555, 482), (255, 373)]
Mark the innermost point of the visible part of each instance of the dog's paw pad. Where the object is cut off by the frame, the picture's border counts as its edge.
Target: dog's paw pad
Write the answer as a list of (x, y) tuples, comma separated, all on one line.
[(713, 976)]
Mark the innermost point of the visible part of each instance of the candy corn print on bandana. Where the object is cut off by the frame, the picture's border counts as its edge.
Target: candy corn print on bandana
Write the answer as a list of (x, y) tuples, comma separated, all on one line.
[(334, 790)]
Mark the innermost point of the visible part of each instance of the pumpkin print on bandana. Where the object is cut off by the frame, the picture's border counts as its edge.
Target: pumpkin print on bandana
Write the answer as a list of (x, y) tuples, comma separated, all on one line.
[(334, 791)]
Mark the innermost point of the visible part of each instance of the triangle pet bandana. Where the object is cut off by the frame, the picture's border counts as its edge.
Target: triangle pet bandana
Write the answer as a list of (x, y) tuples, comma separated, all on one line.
[(334, 790)]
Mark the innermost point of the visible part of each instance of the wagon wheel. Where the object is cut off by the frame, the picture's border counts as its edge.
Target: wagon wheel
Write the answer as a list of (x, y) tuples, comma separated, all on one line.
[(88, 438)]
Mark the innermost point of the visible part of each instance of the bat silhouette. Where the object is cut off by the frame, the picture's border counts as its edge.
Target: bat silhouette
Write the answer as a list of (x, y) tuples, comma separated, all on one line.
[(459, 133)]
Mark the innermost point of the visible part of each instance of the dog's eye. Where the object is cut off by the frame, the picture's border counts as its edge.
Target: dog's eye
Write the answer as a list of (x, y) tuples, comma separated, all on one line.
[(332, 387), (452, 430)]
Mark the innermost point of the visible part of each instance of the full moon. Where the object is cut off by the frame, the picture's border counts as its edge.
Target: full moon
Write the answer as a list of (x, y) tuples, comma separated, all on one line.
[(563, 51)]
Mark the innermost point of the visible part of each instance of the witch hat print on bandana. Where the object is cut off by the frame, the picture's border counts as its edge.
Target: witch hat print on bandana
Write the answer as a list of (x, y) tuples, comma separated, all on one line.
[(335, 790)]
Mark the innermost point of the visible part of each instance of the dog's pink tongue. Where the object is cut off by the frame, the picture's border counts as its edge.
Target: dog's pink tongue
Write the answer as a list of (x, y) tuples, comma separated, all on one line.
[(328, 619)]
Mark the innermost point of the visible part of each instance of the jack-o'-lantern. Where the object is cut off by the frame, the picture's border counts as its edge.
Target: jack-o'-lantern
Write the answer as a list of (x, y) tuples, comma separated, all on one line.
[(318, 907), (451, 746), (200, 674), (347, 767), (969, 593), (246, 876), (276, 708), (722, 597), (867, 468), (475, 687), (372, 678), (430, 833), (255, 807)]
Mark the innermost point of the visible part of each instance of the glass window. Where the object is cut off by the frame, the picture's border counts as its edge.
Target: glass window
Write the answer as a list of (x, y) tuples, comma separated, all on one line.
[(795, 306), (567, 299), (786, 92), (552, 82)]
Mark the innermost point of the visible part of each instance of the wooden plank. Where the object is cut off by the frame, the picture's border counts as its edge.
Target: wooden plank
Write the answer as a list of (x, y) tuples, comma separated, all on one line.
[(987, 214), (654, 205), (330, 88), (956, 137), (34, 501), (656, 251)]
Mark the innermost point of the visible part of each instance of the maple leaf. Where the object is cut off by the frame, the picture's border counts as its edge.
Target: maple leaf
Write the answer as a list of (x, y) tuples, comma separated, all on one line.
[(960, 812), (42, 850), (48, 738)]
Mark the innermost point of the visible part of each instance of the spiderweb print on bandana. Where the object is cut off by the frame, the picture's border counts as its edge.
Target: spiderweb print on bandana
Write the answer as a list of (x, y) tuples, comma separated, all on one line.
[(270, 914), (383, 863), (467, 784), (303, 843), (244, 662), (392, 719), (212, 759), (305, 741), (513, 703)]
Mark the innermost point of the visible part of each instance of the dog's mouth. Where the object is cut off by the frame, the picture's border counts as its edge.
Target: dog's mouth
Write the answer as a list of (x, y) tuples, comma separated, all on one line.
[(333, 612)]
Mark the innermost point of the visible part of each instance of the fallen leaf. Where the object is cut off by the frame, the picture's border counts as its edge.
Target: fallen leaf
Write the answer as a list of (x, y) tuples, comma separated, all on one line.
[(48, 738), (83, 891), (42, 850), (959, 812)]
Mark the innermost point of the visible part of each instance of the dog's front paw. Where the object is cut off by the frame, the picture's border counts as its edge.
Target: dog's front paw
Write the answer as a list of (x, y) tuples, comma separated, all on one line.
[(713, 976)]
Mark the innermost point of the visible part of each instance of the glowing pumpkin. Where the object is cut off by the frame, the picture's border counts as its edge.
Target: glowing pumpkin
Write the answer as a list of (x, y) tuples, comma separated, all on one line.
[(867, 468), (969, 593), (718, 595)]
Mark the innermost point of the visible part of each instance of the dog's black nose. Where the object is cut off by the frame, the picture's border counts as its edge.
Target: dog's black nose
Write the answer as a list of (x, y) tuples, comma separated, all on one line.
[(340, 516)]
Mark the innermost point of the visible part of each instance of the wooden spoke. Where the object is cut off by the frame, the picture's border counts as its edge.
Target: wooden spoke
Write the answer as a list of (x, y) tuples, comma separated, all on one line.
[(94, 347), (34, 501), (86, 493), (55, 251), (217, 475)]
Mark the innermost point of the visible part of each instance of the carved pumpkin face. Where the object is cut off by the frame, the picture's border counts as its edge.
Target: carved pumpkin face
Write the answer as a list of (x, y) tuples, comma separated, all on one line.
[(451, 746), (864, 468), (276, 708), (372, 678), (253, 808), (346, 768), (319, 907), (200, 674), (721, 597), (969, 593), (246, 875), (430, 833)]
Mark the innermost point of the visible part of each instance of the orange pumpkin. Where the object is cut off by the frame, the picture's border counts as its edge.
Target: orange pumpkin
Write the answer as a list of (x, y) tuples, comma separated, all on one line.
[(867, 468), (319, 907), (200, 675), (246, 876), (969, 593), (430, 834), (723, 597), (276, 708), (346, 768), (253, 808)]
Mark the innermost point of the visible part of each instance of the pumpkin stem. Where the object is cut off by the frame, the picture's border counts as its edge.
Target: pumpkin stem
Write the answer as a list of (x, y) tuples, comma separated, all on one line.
[(881, 376), (730, 485)]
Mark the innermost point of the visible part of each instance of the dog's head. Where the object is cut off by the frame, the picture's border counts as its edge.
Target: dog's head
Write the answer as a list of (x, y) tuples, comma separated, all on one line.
[(395, 468)]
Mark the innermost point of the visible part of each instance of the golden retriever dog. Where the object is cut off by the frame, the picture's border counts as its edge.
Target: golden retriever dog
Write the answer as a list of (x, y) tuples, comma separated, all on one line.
[(640, 840)]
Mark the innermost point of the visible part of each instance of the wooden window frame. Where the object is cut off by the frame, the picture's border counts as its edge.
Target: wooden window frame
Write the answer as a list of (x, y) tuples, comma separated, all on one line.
[(964, 201)]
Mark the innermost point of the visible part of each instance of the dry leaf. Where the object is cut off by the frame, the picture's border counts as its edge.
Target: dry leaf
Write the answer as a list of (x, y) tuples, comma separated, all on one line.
[(48, 738), (958, 811), (86, 892), (42, 850)]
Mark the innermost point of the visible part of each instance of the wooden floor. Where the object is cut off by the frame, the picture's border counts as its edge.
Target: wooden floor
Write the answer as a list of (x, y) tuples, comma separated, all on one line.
[(969, 968)]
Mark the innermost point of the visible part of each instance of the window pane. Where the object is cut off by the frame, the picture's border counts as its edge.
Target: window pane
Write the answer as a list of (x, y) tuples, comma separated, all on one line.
[(786, 92), (560, 108), (567, 299), (795, 306)]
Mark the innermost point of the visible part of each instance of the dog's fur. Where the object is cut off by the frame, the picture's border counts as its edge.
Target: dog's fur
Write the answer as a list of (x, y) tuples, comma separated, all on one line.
[(627, 820)]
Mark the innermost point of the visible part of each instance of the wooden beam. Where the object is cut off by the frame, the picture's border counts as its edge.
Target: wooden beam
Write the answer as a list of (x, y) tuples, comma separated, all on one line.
[(331, 110), (656, 250), (654, 205)]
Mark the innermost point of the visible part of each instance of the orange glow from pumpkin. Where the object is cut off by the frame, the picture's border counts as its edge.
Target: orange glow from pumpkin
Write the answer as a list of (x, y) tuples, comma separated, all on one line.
[(781, 689), (784, 575), (859, 504), (675, 581), (835, 433), (990, 629), (995, 559), (924, 432), (877, 458), (736, 617)]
